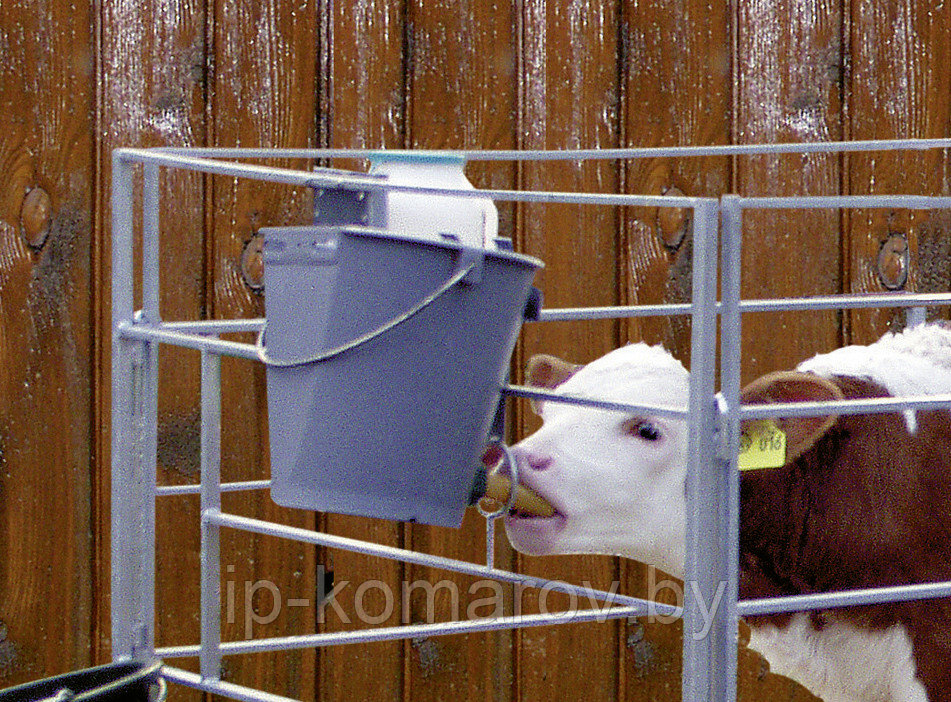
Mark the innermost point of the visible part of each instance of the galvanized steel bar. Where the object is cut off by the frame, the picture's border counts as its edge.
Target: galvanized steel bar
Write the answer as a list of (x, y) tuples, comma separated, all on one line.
[(359, 181), (915, 316), (180, 490), (825, 302), (490, 542), (872, 405), (210, 560), (146, 461), (869, 145), (124, 585), (820, 202), (731, 319), (230, 690), (215, 326), (708, 642), (150, 243), (731, 336), (849, 598), (713, 150), (145, 468), (555, 396), (288, 176), (413, 631), (620, 312), (847, 302), (317, 538), (198, 342)]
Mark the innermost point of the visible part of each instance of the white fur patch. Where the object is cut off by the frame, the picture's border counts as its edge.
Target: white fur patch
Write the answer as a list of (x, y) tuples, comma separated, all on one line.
[(916, 361), (841, 662), (636, 373)]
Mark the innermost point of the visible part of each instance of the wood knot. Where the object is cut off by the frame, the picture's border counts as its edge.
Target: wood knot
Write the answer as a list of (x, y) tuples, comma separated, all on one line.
[(252, 263), (35, 217), (893, 261), (672, 223)]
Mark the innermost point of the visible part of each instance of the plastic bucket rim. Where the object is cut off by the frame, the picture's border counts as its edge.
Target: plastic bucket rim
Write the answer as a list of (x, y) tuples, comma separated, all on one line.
[(507, 256), (447, 243)]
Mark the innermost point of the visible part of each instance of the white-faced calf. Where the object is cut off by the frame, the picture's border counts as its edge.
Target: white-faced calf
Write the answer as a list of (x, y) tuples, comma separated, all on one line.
[(862, 501)]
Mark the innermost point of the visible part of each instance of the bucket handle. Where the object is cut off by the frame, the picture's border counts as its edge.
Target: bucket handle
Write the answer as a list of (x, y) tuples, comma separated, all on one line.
[(262, 353)]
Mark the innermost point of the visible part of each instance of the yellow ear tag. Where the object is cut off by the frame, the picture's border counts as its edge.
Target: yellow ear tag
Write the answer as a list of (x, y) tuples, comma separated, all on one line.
[(762, 445)]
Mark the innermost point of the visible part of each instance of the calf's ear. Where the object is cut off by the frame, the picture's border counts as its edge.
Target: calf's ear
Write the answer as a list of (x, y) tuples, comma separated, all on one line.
[(547, 373), (802, 433)]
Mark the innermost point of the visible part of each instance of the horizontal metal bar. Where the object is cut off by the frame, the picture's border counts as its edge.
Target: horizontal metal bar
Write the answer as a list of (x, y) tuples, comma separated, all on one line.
[(149, 332), (365, 182), (792, 304), (174, 490), (844, 302), (397, 554), (413, 631), (712, 150), (824, 302), (849, 598), (226, 689), (588, 154), (186, 162), (554, 396), (570, 314), (255, 153), (215, 326), (359, 181), (872, 405), (815, 202)]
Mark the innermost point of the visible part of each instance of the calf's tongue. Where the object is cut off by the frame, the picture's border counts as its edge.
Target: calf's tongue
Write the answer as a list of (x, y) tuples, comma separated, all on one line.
[(498, 487)]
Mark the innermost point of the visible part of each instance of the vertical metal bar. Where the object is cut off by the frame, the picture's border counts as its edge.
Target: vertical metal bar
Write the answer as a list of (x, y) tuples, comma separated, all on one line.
[(490, 542), (731, 335), (150, 242), (915, 316), (122, 407), (706, 632), (210, 658), (141, 497), (134, 443)]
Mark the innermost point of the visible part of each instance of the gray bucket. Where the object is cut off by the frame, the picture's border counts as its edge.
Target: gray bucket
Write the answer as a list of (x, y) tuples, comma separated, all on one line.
[(385, 356)]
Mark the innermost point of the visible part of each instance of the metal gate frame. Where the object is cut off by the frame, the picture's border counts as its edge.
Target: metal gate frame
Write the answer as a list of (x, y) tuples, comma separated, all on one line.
[(709, 664)]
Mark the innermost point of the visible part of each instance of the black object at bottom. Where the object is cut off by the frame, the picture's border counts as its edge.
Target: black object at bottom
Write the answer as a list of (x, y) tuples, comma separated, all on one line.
[(127, 681)]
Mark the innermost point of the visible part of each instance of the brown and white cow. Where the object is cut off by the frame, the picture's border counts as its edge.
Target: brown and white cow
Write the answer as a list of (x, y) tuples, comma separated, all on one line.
[(862, 501)]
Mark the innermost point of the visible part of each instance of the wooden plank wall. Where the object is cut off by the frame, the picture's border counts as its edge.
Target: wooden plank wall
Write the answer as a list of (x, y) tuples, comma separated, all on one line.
[(77, 80)]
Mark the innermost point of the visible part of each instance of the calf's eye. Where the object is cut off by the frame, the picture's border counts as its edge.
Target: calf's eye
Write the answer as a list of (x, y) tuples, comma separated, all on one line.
[(642, 429)]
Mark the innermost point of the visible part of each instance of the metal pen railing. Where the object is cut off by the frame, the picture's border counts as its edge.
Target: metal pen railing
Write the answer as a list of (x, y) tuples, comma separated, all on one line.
[(709, 665)]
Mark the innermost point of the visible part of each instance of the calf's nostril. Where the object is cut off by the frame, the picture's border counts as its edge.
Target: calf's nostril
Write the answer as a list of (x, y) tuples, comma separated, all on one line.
[(538, 462)]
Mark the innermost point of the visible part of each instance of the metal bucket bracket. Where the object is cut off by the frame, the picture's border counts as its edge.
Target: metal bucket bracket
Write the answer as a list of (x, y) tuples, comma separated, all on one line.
[(467, 258), (336, 206)]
